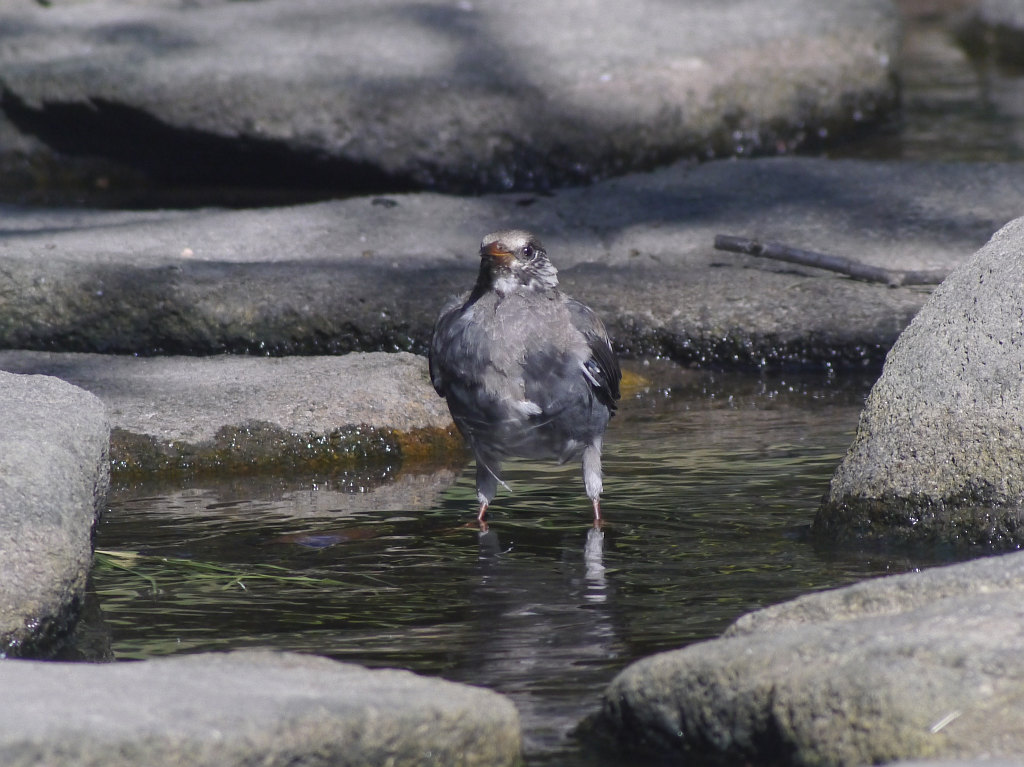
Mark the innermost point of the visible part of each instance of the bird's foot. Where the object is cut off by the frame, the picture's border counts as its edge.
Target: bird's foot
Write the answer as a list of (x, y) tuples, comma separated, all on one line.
[(598, 521), (483, 513)]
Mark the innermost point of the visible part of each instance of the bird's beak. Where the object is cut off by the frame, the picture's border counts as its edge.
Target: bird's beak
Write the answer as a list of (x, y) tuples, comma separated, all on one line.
[(496, 254)]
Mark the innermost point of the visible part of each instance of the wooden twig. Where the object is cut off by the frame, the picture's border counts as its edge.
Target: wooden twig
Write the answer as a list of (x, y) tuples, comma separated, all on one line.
[(855, 269)]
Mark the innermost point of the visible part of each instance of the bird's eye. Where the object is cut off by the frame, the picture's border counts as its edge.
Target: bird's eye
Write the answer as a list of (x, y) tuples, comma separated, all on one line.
[(527, 251)]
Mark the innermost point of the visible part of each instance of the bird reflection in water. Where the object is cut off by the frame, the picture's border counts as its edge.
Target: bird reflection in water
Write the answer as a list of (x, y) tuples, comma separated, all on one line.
[(555, 626), (593, 559)]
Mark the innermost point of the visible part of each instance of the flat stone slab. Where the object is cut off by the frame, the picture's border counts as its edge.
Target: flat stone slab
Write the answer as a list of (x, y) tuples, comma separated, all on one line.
[(53, 480), (939, 450), (372, 273), (918, 666), (247, 708), (477, 94), (224, 413)]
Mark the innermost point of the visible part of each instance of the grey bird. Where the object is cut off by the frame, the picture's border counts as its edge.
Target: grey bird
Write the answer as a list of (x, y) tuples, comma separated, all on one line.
[(527, 371)]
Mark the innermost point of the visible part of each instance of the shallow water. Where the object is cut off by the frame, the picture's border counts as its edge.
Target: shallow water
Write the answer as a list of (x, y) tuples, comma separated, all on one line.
[(711, 482)]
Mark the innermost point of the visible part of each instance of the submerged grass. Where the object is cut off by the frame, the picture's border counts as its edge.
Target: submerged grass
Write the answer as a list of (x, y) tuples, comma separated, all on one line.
[(153, 569)]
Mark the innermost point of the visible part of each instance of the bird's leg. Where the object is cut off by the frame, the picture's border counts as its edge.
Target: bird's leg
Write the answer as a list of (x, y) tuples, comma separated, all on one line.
[(486, 484), (592, 476), (481, 518)]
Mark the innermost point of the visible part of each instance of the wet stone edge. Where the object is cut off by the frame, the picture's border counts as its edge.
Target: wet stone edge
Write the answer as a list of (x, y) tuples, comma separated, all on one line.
[(45, 635), (737, 347), (970, 519), (764, 353), (260, 447)]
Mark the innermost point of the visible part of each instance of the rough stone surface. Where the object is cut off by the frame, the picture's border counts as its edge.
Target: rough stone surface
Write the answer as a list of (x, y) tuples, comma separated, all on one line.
[(219, 413), (53, 479), (919, 666), (939, 450), (247, 708), (469, 94), (890, 596), (371, 273)]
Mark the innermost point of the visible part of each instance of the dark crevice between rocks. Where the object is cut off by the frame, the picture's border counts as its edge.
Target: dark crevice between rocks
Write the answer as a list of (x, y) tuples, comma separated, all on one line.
[(43, 637), (619, 733), (159, 164), (89, 638)]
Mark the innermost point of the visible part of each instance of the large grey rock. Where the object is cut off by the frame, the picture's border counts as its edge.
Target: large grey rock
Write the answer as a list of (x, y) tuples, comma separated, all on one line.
[(371, 273), (53, 478), (225, 413), (246, 708), (919, 666), (939, 450), (468, 94)]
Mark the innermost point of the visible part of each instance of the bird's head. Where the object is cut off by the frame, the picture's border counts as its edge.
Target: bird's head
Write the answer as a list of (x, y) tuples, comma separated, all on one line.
[(513, 258)]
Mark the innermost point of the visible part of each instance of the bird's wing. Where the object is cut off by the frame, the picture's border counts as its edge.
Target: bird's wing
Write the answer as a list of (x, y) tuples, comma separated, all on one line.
[(440, 341), (602, 367)]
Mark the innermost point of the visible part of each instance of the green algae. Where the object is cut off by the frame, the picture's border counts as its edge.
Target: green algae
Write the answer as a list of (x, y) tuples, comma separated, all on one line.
[(260, 447)]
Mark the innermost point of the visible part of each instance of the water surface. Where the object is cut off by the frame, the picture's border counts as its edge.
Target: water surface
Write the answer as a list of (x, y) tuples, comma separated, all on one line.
[(711, 482)]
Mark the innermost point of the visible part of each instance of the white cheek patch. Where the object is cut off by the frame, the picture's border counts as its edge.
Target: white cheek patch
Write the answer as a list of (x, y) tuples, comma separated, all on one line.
[(505, 284)]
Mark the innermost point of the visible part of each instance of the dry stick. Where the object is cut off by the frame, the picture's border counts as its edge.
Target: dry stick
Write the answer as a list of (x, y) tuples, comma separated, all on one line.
[(892, 277)]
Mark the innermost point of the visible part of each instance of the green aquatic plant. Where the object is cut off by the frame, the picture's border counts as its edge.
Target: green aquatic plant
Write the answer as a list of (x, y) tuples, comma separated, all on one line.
[(154, 568)]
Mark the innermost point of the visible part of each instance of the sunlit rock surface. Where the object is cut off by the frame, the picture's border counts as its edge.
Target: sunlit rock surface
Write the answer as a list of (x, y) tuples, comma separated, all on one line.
[(247, 708), (371, 273), (223, 414), (53, 480), (918, 666), (939, 451), (464, 95)]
